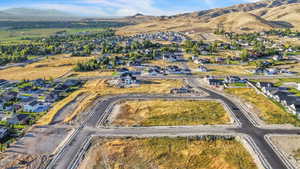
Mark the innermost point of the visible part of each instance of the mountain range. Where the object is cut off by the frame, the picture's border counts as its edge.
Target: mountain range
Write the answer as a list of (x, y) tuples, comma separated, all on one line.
[(262, 15), (30, 14)]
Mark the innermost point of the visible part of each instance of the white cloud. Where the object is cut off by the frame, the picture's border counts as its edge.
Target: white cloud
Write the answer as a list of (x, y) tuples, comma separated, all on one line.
[(131, 7), (251, 0)]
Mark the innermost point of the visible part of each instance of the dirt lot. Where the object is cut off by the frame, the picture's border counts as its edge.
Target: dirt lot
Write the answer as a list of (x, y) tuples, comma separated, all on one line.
[(290, 145), (169, 113), (34, 147), (168, 153)]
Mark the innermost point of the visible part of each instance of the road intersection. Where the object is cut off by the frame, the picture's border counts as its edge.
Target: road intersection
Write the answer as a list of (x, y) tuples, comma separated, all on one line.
[(72, 151)]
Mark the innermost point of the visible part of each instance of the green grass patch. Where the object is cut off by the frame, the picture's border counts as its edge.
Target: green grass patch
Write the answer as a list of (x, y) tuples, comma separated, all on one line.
[(295, 91)]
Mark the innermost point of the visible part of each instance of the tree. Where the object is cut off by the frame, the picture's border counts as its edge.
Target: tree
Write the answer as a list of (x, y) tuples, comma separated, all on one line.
[(87, 49), (245, 55)]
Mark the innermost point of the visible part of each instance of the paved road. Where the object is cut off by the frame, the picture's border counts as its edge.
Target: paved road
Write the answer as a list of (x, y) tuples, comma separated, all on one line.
[(99, 113), (181, 77), (257, 134), (23, 64)]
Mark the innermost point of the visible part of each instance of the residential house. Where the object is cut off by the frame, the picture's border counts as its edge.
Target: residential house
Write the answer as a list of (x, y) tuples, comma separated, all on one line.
[(173, 70), (233, 79), (259, 71), (202, 69), (19, 119), (272, 71), (36, 106), (169, 58), (71, 83), (277, 57), (279, 96), (194, 57), (264, 84), (127, 79), (52, 97), (154, 72), (201, 61), (186, 71), (295, 109), (180, 90), (3, 132), (290, 100), (215, 82), (122, 70)]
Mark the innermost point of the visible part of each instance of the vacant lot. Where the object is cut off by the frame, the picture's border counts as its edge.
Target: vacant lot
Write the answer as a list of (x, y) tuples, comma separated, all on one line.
[(168, 153), (169, 113), (97, 88), (222, 69), (101, 87), (269, 111), (52, 67), (163, 63), (288, 144)]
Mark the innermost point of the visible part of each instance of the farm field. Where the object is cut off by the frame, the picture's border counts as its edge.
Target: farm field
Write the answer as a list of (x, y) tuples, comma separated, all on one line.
[(18, 35), (273, 113), (169, 113), (51, 67), (167, 153)]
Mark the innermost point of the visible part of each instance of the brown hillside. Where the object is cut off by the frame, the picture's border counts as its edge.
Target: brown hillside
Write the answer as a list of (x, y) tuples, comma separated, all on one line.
[(287, 15), (263, 15), (241, 21)]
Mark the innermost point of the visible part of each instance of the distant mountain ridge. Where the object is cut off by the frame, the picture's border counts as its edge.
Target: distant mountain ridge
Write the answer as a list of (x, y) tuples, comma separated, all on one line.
[(258, 16), (34, 14), (212, 13)]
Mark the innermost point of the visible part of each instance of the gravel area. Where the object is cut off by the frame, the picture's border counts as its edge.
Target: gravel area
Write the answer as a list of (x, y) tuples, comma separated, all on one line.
[(34, 148), (289, 145)]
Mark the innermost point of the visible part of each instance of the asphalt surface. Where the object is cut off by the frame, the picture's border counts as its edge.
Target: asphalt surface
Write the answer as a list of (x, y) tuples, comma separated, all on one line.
[(254, 77), (65, 158)]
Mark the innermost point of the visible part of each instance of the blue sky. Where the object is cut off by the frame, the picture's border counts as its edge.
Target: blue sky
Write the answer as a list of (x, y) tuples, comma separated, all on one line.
[(121, 7)]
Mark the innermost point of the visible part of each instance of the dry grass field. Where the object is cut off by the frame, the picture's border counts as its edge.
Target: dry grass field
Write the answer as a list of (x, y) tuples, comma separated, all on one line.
[(97, 88), (168, 153), (52, 67), (101, 87), (163, 63), (92, 73), (170, 113), (222, 70), (195, 25), (269, 111)]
